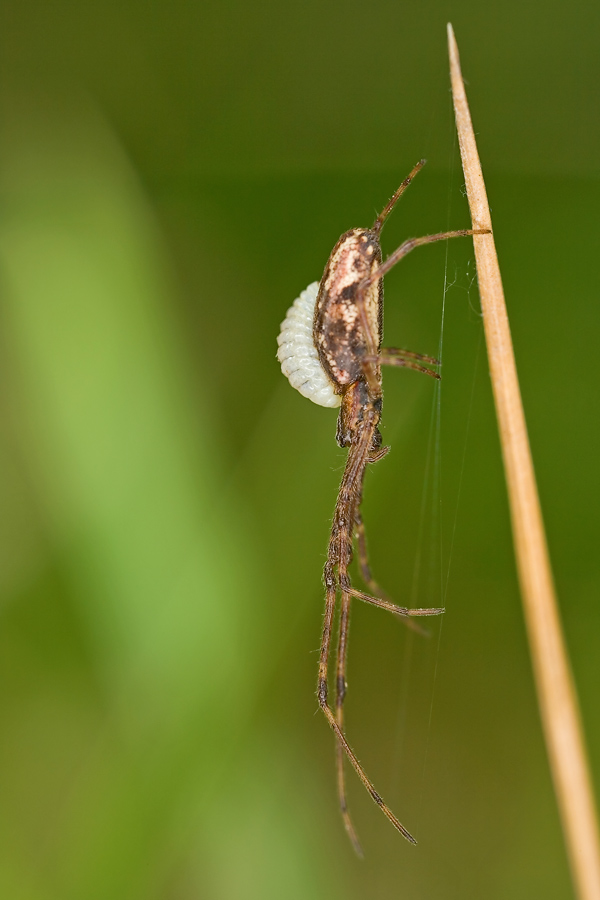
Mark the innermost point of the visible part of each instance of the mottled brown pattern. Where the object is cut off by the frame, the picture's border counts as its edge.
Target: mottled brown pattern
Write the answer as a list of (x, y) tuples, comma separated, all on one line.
[(338, 332), (347, 333)]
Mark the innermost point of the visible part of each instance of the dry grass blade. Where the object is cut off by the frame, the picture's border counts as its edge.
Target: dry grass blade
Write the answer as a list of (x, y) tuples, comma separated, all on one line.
[(555, 689)]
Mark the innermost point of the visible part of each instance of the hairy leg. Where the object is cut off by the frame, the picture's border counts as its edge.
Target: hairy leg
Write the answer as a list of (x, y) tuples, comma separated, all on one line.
[(392, 356), (340, 694), (378, 273), (324, 704), (373, 585)]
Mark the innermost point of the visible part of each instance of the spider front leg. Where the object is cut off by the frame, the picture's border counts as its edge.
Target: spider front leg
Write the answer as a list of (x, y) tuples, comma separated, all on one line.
[(340, 696), (377, 592), (336, 721), (322, 695), (363, 558)]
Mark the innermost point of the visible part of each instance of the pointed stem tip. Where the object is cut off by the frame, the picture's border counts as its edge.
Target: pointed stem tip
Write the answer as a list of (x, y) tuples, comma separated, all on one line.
[(555, 689)]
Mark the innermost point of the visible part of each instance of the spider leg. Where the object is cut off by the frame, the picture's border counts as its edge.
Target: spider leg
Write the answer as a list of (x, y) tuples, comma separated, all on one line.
[(405, 248), (331, 586), (374, 587), (397, 610), (337, 722), (394, 357), (340, 694), (363, 558), (410, 354), (338, 559), (372, 357), (335, 575)]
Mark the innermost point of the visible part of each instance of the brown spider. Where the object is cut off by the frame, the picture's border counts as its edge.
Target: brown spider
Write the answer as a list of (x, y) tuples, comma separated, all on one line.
[(330, 349)]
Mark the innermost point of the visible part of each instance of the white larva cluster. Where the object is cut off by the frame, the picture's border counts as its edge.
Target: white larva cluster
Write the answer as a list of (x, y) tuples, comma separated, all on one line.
[(298, 355)]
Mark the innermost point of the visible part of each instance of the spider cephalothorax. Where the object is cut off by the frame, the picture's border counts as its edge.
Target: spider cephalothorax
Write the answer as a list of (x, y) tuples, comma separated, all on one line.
[(330, 349)]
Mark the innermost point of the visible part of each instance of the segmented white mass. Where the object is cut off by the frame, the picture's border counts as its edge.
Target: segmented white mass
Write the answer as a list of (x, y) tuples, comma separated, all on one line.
[(298, 355)]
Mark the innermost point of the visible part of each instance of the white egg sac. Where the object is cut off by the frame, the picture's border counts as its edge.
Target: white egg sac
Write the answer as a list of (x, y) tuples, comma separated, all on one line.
[(298, 355)]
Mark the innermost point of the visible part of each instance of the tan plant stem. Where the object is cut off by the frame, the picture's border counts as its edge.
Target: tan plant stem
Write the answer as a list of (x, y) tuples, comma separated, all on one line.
[(555, 689)]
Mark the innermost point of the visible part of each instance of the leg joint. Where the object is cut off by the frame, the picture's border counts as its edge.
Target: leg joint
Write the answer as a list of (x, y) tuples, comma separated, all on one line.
[(345, 583), (329, 577), (322, 692)]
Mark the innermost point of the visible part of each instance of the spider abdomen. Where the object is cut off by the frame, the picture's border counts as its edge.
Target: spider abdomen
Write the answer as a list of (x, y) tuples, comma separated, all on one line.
[(298, 355), (339, 332)]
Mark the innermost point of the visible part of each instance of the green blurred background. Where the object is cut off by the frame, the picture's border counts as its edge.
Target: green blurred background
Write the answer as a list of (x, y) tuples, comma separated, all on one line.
[(171, 176)]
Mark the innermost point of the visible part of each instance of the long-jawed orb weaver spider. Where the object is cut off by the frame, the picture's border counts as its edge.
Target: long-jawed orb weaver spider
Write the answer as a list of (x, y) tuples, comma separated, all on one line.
[(330, 350)]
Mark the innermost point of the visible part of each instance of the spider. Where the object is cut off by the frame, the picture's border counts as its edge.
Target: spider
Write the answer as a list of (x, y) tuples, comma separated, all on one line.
[(330, 350)]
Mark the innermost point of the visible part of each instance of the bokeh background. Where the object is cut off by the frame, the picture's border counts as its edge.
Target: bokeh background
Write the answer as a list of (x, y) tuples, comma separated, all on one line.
[(171, 176)]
